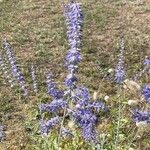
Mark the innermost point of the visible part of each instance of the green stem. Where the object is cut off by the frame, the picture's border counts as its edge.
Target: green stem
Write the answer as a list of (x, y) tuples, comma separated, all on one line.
[(118, 122), (62, 123)]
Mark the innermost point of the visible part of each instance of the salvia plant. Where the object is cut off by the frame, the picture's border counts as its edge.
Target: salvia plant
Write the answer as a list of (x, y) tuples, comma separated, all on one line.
[(16, 71), (34, 78), (120, 69), (74, 102), (70, 111), (6, 72)]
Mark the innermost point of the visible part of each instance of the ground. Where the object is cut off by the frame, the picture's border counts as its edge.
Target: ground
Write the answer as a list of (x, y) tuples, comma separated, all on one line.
[(37, 31)]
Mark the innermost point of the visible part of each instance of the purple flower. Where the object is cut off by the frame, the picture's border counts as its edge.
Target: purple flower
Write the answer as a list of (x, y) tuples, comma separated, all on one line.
[(6, 72), (16, 71), (147, 62), (74, 21), (73, 57), (47, 126), (52, 88), (2, 133), (70, 80), (54, 106), (87, 121), (89, 133), (120, 71), (98, 106), (33, 75), (141, 116), (146, 92), (85, 117)]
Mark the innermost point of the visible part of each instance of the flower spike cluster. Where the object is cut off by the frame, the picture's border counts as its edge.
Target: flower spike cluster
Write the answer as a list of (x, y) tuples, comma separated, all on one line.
[(57, 104), (74, 21), (74, 101), (120, 70), (16, 71), (85, 113)]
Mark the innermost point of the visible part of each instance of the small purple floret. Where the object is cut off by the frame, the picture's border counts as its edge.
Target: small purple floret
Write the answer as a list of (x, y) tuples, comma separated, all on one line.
[(141, 116), (47, 126), (146, 92)]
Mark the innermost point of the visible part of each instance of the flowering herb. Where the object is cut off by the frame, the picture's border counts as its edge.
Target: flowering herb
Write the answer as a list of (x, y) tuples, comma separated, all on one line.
[(54, 106), (75, 101), (74, 21), (6, 72), (16, 71), (120, 70), (52, 88), (34, 80), (46, 126), (85, 113)]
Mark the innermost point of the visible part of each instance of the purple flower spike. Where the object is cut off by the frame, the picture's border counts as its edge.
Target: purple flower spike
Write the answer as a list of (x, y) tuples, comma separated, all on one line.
[(54, 106), (74, 21), (73, 57), (89, 133), (33, 75), (52, 88), (70, 80), (120, 71), (6, 72), (87, 121), (147, 62), (16, 71), (46, 126)]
